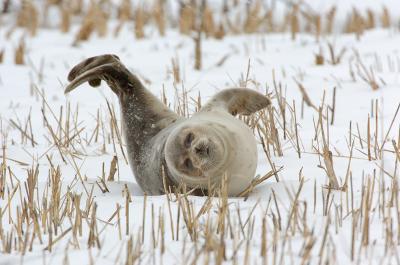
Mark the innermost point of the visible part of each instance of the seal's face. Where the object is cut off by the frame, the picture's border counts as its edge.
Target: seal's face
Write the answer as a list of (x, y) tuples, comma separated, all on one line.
[(196, 153)]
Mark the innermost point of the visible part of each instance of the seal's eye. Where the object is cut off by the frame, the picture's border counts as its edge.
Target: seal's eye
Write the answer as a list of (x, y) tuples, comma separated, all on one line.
[(188, 163), (188, 140)]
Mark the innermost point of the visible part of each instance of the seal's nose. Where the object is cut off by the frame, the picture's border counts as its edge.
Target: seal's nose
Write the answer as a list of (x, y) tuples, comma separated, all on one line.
[(202, 150)]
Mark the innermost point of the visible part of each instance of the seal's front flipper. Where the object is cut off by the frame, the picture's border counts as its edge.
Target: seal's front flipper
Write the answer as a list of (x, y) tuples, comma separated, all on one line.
[(237, 101)]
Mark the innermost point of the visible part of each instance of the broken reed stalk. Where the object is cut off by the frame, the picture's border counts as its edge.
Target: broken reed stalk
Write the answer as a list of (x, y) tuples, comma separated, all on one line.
[(257, 181), (125, 10), (197, 45), (281, 102), (2, 56), (306, 98), (333, 106), (369, 138), (389, 129), (335, 58), (348, 171), (396, 150), (198, 38), (294, 21), (20, 53), (139, 22), (220, 32), (253, 19), (295, 129), (113, 169), (65, 19), (292, 212), (268, 155), (144, 217), (159, 16), (330, 20), (208, 24), (274, 131), (327, 155), (116, 129), (28, 17), (385, 18), (175, 71), (85, 31), (94, 21), (187, 17), (366, 74), (319, 57)]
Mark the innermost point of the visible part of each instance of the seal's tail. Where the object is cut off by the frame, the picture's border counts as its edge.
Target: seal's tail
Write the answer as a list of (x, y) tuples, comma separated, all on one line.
[(104, 67)]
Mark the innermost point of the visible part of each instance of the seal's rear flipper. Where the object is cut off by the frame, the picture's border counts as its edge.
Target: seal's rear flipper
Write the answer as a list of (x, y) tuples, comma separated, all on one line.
[(237, 101), (104, 67), (138, 104), (90, 63), (91, 76)]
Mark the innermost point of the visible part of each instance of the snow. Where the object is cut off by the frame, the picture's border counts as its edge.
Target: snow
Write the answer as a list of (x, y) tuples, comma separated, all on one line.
[(51, 53)]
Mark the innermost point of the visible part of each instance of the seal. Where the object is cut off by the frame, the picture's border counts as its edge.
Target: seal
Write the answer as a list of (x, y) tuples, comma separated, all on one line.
[(199, 151)]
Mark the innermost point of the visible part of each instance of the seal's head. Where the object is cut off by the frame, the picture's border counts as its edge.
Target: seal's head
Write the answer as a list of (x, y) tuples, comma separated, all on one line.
[(212, 144), (198, 151)]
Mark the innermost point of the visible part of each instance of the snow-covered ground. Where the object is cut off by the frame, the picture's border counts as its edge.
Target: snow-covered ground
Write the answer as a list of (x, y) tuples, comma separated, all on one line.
[(296, 220)]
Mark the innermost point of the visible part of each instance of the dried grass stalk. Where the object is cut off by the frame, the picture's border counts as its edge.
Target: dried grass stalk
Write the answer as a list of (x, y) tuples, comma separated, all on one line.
[(385, 18), (159, 16), (319, 58), (305, 95), (27, 17), (327, 155), (257, 181), (65, 19), (220, 32), (176, 70), (370, 22), (124, 10), (139, 23), (20, 53), (101, 19), (197, 51), (253, 19), (2, 56), (113, 169), (355, 24), (95, 20), (330, 20), (208, 22), (335, 58), (269, 20), (85, 30), (317, 25), (294, 21), (187, 18), (366, 74), (76, 6)]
